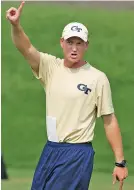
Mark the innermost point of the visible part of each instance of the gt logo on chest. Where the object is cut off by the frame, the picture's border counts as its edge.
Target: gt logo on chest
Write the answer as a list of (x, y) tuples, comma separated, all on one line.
[(84, 88)]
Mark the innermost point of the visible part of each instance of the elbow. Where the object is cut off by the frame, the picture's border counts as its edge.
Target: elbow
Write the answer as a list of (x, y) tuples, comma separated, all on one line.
[(110, 121)]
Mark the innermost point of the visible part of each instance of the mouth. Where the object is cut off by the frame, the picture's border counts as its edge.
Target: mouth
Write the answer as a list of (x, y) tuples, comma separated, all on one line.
[(73, 55)]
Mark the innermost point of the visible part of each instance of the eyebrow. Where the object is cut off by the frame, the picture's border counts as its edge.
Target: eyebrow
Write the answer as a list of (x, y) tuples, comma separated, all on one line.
[(71, 40)]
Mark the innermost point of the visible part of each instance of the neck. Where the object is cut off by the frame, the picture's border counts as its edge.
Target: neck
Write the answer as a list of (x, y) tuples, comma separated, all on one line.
[(74, 65)]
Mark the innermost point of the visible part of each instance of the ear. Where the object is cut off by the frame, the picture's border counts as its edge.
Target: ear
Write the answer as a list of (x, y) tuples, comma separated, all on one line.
[(61, 42), (86, 45)]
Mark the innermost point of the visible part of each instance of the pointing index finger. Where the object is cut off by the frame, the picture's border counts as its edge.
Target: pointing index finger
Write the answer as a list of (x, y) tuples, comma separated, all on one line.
[(121, 185), (21, 6)]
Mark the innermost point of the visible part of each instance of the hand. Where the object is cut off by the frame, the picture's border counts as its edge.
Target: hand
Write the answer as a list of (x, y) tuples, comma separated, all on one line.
[(13, 14), (120, 174)]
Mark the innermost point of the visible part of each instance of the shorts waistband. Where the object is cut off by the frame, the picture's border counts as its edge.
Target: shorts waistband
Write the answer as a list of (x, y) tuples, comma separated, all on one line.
[(67, 144)]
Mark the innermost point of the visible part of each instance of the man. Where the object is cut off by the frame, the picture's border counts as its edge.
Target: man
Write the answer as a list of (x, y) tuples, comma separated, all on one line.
[(76, 94)]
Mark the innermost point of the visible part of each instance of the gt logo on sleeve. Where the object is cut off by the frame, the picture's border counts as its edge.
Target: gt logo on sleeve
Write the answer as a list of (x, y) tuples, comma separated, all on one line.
[(84, 88)]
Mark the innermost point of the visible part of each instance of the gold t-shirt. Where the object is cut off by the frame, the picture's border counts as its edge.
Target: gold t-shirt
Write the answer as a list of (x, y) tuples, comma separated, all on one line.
[(75, 97)]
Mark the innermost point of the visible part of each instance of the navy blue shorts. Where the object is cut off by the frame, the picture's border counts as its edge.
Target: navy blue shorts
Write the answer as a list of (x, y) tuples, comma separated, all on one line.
[(64, 166)]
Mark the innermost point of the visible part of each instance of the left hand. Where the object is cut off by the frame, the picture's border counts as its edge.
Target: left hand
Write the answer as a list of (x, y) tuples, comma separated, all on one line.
[(119, 174)]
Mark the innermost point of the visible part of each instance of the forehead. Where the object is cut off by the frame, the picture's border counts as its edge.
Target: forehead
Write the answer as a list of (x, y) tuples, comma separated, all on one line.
[(74, 38)]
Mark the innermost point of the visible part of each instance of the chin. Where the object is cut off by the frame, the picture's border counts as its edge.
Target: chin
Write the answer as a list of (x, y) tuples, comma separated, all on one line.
[(70, 62), (73, 61)]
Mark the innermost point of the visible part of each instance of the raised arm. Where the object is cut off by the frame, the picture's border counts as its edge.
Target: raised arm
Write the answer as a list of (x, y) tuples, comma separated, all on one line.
[(21, 40)]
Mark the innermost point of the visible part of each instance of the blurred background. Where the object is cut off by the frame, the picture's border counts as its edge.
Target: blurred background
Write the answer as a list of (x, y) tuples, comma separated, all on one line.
[(111, 49)]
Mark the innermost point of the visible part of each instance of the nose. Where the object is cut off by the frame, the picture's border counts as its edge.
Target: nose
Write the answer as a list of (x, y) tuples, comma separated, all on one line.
[(74, 48)]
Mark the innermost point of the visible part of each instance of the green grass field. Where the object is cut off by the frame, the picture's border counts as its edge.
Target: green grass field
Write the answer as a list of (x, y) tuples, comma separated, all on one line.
[(23, 100), (21, 180)]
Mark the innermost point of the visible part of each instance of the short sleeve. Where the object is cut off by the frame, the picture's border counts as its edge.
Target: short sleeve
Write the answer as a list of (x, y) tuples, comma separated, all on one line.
[(46, 67), (104, 97)]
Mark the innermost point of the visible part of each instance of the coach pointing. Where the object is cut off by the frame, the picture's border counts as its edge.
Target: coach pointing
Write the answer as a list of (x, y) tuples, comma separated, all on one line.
[(76, 94)]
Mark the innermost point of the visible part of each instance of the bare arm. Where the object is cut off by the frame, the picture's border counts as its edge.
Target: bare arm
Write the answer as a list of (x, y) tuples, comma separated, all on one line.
[(20, 39), (23, 44), (113, 135)]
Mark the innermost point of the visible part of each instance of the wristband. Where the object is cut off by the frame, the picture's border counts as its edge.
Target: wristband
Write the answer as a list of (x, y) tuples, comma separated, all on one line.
[(121, 164)]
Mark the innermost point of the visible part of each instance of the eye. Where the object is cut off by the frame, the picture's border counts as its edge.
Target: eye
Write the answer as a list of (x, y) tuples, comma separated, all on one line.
[(69, 42), (79, 43)]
